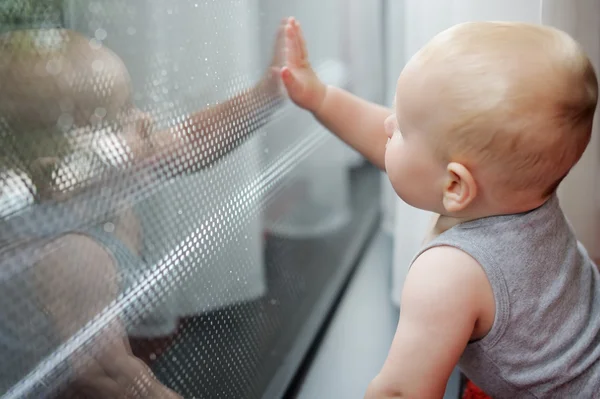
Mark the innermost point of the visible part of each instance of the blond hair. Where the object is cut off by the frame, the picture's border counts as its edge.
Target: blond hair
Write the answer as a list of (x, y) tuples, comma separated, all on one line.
[(522, 101)]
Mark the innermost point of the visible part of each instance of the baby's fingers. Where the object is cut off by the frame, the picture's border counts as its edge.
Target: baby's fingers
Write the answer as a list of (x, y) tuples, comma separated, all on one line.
[(292, 44), (301, 40), (292, 84), (279, 48)]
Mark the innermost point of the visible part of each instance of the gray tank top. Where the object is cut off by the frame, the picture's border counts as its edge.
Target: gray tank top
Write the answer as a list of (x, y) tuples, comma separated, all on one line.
[(545, 340)]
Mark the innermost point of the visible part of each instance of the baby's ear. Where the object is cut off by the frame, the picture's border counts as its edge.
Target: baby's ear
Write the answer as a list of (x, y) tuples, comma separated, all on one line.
[(460, 188)]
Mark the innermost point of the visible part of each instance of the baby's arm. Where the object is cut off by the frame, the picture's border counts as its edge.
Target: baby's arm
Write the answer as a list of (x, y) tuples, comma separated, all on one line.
[(441, 303), (357, 122), (221, 128), (202, 138)]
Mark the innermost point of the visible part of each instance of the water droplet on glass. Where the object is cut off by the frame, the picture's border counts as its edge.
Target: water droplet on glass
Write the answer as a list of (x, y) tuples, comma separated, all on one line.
[(65, 121), (100, 112), (100, 34), (109, 227), (98, 65), (95, 44), (94, 7)]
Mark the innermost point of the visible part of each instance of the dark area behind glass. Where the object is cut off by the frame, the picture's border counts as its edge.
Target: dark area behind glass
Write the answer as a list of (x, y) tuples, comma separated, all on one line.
[(171, 226)]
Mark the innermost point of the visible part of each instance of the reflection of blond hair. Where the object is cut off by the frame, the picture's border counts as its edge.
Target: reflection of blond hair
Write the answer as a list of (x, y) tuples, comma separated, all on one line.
[(46, 74), (53, 81), (521, 100)]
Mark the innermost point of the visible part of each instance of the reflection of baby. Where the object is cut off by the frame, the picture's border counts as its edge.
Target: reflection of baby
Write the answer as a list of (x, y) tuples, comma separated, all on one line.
[(62, 80), (489, 118), (62, 95)]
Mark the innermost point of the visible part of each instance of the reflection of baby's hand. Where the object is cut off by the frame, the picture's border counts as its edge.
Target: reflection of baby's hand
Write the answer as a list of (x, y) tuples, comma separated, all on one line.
[(271, 82), (279, 48), (302, 84)]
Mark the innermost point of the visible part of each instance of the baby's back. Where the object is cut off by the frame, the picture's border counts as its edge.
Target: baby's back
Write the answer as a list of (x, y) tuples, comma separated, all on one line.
[(545, 341)]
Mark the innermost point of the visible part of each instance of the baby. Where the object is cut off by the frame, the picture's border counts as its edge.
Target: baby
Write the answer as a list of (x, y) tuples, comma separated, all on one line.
[(489, 118)]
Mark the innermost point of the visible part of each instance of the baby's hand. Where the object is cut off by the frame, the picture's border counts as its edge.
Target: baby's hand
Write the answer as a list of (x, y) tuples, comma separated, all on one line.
[(301, 82)]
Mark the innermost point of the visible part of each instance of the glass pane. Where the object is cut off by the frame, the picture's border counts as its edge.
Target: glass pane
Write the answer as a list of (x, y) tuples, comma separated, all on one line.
[(171, 225)]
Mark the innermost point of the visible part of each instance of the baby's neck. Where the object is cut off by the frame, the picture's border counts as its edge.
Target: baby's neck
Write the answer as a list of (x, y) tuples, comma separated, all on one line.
[(446, 222)]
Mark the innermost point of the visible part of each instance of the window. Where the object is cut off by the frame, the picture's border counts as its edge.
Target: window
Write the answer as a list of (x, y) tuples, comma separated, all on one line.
[(171, 225)]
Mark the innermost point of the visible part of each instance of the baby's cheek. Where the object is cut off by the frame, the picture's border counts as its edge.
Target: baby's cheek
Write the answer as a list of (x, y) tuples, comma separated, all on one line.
[(395, 146), (393, 162)]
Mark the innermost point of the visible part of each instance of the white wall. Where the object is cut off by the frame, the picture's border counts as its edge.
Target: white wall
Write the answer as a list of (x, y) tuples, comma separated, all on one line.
[(579, 193)]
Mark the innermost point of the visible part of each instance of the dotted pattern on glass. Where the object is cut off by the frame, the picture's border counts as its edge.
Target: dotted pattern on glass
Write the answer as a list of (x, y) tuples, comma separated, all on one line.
[(142, 143)]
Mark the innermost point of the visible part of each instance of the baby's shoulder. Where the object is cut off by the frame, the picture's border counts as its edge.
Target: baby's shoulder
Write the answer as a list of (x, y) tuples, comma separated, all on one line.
[(445, 272)]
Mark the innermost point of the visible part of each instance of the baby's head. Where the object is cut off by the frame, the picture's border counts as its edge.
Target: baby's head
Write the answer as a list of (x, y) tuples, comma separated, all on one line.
[(59, 91), (490, 117)]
